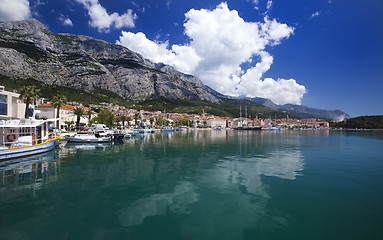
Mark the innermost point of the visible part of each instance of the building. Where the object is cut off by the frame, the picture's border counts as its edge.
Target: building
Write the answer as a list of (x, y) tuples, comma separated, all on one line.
[(216, 122), (11, 107), (66, 113)]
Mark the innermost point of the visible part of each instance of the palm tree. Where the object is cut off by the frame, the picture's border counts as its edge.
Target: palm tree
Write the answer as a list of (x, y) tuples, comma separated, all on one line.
[(136, 119), (123, 120), (128, 119), (29, 94), (79, 112), (89, 115), (57, 102)]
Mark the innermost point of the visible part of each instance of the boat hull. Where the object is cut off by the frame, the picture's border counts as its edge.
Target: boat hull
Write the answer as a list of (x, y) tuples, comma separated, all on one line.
[(17, 152), (87, 140)]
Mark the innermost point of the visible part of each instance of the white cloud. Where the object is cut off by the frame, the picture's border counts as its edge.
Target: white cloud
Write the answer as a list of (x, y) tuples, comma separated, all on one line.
[(256, 2), (14, 10), (68, 22), (221, 42), (65, 21), (168, 3), (183, 57), (316, 14), (103, 21)]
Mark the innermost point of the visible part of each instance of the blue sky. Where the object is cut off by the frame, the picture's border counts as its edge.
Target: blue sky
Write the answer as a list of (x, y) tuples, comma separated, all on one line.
[(322, 53)]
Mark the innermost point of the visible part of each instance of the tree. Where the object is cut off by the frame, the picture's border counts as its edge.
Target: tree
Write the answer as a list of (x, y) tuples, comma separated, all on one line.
[(162, 122), (57, 102), (106, 117), (123, 120), (136, 119), (79, 112), (128, 119), (29, 94), (89, 115)]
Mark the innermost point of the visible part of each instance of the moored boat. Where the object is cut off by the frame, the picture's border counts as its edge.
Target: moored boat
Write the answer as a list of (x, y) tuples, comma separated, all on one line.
[(87, 137), (20, 138), (168, 129)]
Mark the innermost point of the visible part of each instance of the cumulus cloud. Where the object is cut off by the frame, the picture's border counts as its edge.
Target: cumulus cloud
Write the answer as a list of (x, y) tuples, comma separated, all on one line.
[(103, 21), (221, 43), (65, 21), (68, 22), (14, 10), (182, 57)]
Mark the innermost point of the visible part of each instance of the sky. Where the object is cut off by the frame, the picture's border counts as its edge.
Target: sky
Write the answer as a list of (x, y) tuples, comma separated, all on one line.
[(325, 54)]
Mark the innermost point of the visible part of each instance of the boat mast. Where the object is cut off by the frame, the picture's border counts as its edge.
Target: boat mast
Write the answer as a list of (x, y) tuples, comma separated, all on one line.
[(240, 115), (246, 115)]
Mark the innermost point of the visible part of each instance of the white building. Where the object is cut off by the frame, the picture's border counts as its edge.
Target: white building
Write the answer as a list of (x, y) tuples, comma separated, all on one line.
[(66, 113), (216, 122), (11, 107)]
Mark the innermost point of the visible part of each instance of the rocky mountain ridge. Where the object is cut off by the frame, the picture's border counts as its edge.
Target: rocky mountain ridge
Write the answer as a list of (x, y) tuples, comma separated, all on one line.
[(303, 111), (29, 50)]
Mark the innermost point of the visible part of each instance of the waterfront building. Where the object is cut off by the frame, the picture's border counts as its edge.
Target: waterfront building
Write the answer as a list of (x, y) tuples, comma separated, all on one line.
[(11, 107), (216, 123), (66, 113)]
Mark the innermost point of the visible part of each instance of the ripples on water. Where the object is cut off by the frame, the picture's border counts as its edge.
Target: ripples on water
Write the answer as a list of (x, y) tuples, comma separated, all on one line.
[(199, 185)]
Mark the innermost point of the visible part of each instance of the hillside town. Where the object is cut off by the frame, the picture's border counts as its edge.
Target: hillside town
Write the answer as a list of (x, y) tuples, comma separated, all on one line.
[(12, 107)]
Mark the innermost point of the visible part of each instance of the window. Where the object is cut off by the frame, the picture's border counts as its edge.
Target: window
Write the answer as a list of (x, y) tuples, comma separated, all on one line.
[(3, 104)]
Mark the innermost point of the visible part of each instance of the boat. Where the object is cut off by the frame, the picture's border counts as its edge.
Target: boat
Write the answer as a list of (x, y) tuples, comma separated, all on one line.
[(145, 130), (168, 129), (87, 137), (250, 128), (21, 138)]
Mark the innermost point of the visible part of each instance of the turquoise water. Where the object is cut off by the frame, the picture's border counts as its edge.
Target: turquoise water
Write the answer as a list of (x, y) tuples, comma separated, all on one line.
[(200, 185)]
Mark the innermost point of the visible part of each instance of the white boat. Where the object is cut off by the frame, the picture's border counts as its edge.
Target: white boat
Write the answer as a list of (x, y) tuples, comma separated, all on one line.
[(88, 137), (276, 129), (145, 130), (168, 129), (20, 138)]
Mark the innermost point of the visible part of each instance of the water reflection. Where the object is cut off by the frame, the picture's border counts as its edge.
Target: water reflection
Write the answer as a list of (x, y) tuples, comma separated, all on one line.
[(30, 172), (177, 202), (224, 187), (68, 149)]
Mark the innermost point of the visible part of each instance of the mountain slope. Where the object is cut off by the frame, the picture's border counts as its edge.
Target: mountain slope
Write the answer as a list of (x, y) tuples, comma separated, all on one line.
[(303, 111), (29, 50)]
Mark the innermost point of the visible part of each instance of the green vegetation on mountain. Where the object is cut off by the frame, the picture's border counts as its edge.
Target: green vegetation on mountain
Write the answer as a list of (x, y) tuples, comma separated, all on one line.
[(71, 94), (363, 122), (228, 108)]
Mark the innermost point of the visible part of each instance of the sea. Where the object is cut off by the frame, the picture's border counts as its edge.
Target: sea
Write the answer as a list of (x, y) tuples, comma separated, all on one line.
[(200, 184)]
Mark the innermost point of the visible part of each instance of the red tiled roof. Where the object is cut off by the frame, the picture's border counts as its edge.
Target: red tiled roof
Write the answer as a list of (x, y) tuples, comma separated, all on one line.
[(66, 106)]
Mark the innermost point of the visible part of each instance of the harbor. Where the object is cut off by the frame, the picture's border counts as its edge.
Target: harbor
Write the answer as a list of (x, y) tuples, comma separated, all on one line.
[(199, 184)]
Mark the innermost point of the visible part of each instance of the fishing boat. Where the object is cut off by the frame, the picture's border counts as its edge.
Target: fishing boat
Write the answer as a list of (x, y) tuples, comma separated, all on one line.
[(20, 138), (87, 137)]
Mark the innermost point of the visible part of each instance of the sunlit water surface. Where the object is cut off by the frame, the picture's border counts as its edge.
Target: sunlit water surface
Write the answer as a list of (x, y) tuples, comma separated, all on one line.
[(200, 185)]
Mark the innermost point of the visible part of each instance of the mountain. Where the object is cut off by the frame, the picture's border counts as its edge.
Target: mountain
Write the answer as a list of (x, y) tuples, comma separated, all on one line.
[(303, 111), (29, 51)]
